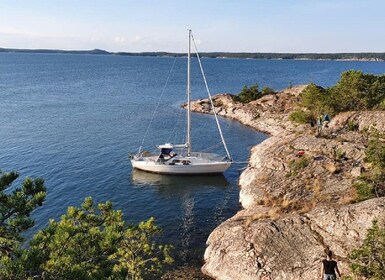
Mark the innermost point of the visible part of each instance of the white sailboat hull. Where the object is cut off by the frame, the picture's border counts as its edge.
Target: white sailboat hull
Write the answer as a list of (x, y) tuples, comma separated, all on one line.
[(169, 162), (195, 167)]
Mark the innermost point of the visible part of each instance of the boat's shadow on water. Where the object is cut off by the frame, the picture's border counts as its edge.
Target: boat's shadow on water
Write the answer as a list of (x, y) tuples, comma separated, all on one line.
[(177, 183), (193, 197)]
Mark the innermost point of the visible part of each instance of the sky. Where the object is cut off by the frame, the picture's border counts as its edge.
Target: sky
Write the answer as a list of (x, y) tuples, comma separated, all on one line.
[(292, 26)]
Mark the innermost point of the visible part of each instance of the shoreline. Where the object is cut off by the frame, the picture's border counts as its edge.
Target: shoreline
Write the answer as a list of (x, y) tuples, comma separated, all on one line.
[(287, 207), (364, 57)]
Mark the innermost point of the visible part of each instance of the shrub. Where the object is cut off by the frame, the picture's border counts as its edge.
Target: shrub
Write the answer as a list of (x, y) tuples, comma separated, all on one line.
[(249, 94), (368, 260), (267, 90), (364, 190), (91, 242), (300, 117), (358, 91), (316, 99), (372, 182), (375, 152), (297, 164), (339, 154), (354, 91), (352, 126)]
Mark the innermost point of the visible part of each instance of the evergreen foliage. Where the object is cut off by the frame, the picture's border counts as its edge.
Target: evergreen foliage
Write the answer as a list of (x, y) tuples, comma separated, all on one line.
[(353, 92), (300, 116), (316, 99), (251, 93), (368, 260), (372, 182), (138, 255), (267, 90), (15, 208), (375, 152), (352, 126), (358, 91), (91, 242)]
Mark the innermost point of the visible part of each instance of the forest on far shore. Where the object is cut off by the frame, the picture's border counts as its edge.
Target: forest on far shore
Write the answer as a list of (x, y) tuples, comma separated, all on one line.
[(370, 56)]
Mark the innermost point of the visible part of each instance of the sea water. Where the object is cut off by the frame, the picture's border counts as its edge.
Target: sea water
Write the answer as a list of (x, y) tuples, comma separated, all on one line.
[(73, 120)]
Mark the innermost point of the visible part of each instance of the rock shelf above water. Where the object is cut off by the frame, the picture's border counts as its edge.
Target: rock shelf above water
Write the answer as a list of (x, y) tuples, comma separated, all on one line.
[(297, 192)]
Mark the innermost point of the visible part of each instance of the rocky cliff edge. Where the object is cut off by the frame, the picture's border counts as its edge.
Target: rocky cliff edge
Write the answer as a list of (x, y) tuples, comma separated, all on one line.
[(297, 192)]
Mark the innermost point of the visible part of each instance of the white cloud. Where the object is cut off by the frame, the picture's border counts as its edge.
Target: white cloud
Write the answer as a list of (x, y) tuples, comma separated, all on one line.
[(120, 39), (136, 39)]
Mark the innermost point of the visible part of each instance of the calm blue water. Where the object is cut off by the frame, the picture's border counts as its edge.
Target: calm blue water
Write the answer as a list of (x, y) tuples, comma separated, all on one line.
[(73, 119)]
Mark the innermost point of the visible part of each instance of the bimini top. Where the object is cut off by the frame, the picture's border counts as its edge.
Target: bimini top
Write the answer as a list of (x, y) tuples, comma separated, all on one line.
[(171, 146)]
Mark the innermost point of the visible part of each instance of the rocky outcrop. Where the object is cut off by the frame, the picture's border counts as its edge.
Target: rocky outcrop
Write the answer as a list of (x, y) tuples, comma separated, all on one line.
[(296, 192), (291, 247), (268, 114)]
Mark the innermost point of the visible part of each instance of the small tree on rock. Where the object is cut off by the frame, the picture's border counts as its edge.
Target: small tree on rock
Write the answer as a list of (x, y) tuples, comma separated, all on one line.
[(369, 260), (248, 94)]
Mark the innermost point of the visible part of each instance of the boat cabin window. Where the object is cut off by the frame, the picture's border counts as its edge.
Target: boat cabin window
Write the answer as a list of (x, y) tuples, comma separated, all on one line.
[(178, 161)]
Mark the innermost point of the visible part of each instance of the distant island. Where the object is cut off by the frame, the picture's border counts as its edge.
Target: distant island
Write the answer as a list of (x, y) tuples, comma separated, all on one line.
[(365, 56)]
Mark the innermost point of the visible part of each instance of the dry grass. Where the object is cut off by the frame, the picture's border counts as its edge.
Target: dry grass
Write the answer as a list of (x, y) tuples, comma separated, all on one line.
[(280, 207), (332, 167), (263, 178), (317, 188), (307, 207), (349, 197)]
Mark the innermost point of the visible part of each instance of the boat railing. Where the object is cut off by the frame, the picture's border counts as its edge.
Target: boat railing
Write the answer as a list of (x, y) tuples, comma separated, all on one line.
[(208, 156)]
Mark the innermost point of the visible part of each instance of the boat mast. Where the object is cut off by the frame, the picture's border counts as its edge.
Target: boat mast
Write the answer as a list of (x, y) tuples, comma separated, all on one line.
[(188, 95)]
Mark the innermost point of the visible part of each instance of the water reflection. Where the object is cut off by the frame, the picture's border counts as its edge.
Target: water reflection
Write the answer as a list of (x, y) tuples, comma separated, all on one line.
[(202, 203), (174, 182)]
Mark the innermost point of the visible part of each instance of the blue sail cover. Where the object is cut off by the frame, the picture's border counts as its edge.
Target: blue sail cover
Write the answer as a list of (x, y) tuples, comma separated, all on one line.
[(166, 151)]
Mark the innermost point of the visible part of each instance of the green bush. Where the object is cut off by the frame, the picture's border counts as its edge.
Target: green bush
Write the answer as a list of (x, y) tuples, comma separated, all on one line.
[(368, 260), (372, 182), (300, 117), (352, 126), (91, 242), (339, 154), (316, 99), (353, 92), (375, 152), (358, 91), (249, 94), (298, 164), (267, 90), (364, 190)]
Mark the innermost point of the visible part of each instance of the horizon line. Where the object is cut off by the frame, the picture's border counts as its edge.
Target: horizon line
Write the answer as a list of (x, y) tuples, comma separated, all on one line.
[(2, 49)]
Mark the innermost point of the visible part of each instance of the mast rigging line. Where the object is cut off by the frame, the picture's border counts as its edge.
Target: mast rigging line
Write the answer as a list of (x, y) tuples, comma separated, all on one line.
[(211, 100), (157, 105)]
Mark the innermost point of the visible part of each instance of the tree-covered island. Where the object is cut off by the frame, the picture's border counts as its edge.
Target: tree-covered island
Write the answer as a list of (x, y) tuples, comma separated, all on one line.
[(364, 56)]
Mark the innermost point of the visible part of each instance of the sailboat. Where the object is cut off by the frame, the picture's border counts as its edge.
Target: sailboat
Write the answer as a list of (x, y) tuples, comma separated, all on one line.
[(180, 158)]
